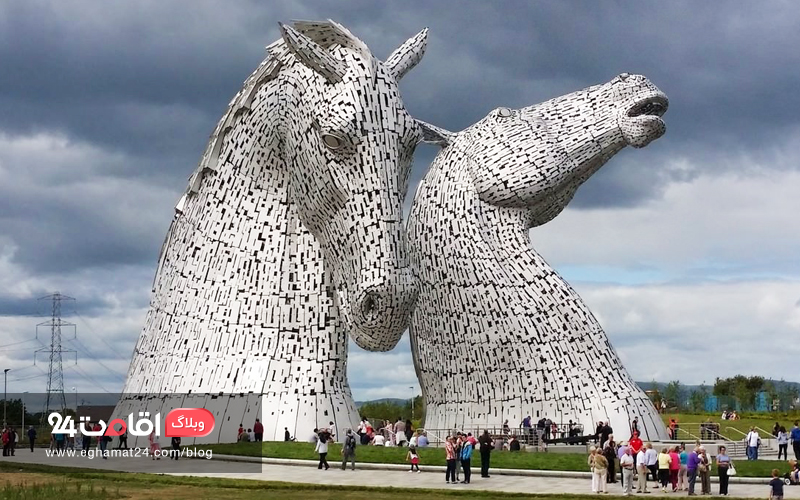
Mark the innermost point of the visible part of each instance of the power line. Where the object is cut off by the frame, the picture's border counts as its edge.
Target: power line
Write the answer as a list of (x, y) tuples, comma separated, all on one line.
[(86, 351), (97, 336), (16, 343), (88, 378)]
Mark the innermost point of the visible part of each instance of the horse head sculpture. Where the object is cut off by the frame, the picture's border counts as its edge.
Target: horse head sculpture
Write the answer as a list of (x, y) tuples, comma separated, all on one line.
[(536, 157), (532, 345), (349, 143)]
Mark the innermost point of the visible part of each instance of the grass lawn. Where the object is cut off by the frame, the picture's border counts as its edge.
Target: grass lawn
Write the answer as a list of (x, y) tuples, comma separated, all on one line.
[(743, 424), (436, 456)]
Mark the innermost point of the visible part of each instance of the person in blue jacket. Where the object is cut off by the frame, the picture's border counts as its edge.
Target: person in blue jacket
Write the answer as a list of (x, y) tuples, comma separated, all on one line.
[(794, 436), (466, 456)]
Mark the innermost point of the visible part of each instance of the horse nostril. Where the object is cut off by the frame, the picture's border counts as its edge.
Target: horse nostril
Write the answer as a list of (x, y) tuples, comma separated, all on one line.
[(370, 306)]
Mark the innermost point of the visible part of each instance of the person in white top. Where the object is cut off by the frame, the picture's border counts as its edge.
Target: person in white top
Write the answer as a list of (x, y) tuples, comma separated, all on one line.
[(322, 449), (413, 442), (626, 465), (641, 466), (378, 440), (753, 441)]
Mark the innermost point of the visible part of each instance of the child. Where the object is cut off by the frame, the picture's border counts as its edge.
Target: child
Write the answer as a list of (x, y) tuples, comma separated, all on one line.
[(776, 486), (413, 458)]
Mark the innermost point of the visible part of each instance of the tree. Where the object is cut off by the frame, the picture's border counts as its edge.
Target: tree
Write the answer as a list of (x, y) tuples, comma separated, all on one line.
[(673, 393), (697, 399), (654, 393)]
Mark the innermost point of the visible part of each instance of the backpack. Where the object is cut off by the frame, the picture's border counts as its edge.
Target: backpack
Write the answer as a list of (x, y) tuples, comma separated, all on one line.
[(350, 444)]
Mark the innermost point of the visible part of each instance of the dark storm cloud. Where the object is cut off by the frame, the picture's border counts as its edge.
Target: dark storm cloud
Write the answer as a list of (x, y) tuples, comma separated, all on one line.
[(144, 83)]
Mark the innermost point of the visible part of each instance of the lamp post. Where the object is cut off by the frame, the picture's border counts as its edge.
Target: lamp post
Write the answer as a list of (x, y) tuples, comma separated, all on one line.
[(75, 390), (412, 400), (23, 411), (5, 394)]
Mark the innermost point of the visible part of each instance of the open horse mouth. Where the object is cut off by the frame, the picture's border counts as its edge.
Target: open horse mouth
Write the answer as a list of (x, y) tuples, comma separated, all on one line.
[(654, 106), (642, 123)]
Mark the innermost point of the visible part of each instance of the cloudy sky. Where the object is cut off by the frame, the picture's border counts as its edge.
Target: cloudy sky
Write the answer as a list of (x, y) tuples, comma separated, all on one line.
[(687, 251)]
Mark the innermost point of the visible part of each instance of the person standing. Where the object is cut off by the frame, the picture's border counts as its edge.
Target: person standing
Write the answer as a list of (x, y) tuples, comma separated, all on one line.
[(87, 442), (349, 450), (399, 431), (322, 449), (123, 440), (652, 462), (626, 466), (258, 430), (466, 456), (692, 462), (753, 441), (104, 440), (674, 468), (487, 446), (682, 456), (794, 436), (6, 441), (600, 473), (635, 427), (459, 444), (590, 463), (605, 434), (287, 436), (450, 456), (621, 451), (723, 465), (663, 468), (32, 437), (175, 442), (636, 445), (611, 455), (409, 430), (12, 441), (641, 469), (704, 469), (783, 443), (526, 429)]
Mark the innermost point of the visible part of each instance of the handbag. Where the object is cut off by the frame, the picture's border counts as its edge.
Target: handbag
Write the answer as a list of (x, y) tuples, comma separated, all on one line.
[(731, 470)]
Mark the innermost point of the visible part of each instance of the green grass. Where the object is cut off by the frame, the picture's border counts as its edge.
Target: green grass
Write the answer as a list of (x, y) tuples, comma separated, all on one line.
[(63, 490), (435, 456), (743, 425)]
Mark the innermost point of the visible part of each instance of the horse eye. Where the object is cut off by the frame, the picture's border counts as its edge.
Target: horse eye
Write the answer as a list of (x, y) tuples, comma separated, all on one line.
[(503, 112), (332, 142)]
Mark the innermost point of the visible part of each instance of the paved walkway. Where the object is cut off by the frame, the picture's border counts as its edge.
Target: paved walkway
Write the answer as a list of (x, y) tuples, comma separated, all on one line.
[(379, 478)]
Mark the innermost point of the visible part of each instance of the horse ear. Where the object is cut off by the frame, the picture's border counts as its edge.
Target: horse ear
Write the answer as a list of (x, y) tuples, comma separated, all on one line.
[(407, 55), (432, 134), (312, 55)]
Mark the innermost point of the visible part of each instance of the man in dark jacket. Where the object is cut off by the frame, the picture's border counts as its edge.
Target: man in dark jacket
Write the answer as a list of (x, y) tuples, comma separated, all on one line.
[(487, 445), (32, 436)]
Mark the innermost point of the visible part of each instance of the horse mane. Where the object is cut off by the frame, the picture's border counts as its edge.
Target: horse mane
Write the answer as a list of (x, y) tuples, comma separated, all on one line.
[(325, 33)]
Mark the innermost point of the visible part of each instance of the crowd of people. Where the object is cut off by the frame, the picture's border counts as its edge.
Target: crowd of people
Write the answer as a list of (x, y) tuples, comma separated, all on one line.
[(672, 469)]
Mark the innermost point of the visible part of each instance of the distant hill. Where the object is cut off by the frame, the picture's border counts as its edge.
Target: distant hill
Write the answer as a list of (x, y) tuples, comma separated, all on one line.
[(646, 386), (396, 401)]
